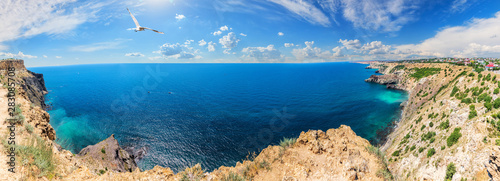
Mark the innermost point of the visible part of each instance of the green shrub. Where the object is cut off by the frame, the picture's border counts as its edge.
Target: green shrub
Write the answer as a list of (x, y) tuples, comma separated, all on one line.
[(453, 138), (450, 171), (496, 103), (428, 135), (443, 147), (395, 153), (422, 128), (424, 72), (287, 142), (467, 100), (454, 91), (413, 148), (103, 151), (431, 124), (472, 112), (432, 140), (496, 91), (421, 149), (430, 152), (29, 128), (488, 106), (497, 142), (444, 124)]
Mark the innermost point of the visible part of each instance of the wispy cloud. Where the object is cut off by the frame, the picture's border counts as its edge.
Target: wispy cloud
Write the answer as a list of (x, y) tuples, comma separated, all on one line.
[(115, 44), (385, 16), (28, 18), (134, 54), (305, 10), (18, 55), (458, 6)]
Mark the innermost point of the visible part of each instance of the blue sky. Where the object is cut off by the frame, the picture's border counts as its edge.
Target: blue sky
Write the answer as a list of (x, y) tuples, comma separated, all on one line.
[(65, 32)]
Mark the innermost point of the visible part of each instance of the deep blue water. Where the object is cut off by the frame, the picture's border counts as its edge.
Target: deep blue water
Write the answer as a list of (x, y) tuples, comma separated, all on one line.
[(213, 114)]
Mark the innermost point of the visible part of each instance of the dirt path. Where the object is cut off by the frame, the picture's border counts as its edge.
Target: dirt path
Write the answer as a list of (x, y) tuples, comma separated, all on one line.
[(4, 173)]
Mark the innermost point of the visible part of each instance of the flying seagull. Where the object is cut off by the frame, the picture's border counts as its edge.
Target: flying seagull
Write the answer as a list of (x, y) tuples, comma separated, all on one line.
[(139, 27)]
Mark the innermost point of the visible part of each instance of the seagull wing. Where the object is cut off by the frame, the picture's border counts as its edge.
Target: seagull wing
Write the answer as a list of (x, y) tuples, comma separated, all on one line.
[(154, 30), (135, 20)]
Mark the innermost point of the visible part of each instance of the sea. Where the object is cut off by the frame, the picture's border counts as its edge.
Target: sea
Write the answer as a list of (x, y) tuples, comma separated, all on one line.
[(179, 115)]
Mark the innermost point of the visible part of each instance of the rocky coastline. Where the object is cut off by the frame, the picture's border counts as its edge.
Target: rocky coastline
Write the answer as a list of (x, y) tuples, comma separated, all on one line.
[(416, 149)]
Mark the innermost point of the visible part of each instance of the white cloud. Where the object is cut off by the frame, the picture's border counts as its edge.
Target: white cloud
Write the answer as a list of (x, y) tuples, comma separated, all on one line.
[(58, 57), (211, 46), (477, 37), (179, 17), (351, 44), (288, 45), (202, 42), (115, 44), (243, 34), (224, 28), (280, 34), (376, 47), (262, 54), (18, 55), (306, 10), (217, 33), (229, 41), (44, 56), (188, 42), (311, 53), (178, 51), (134, 54), (27, 18), (338, 52), (386, 16)]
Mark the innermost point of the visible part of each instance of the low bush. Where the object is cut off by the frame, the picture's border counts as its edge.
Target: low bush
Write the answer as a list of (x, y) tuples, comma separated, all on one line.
[(431, 152), (287, 142), (450, 171), (453, 138)]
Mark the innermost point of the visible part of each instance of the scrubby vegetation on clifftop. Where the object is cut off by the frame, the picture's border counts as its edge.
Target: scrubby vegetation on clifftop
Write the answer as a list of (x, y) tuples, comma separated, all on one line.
[(450, 116)]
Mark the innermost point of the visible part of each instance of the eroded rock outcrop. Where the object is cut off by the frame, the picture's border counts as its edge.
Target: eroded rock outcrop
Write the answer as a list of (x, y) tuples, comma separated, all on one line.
[(107, 155), (337, 154)]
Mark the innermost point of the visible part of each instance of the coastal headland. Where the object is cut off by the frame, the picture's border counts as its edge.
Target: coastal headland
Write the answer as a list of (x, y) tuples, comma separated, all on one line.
[(448, 130)]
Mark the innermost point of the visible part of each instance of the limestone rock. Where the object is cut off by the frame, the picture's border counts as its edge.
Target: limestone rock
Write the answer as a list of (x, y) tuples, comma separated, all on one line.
[(107, 155)]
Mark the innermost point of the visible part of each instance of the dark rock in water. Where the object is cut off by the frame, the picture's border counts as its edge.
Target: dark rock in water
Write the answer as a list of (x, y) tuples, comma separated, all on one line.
[(378, 71), (108, 154), (138, 154), (383, 79)]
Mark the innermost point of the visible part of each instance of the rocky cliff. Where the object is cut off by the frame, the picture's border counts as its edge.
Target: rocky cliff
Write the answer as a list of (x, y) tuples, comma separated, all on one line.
[(448, 128)]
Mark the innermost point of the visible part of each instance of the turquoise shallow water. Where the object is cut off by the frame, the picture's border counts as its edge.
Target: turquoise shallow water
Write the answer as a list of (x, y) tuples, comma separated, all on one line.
[(213, 114)]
